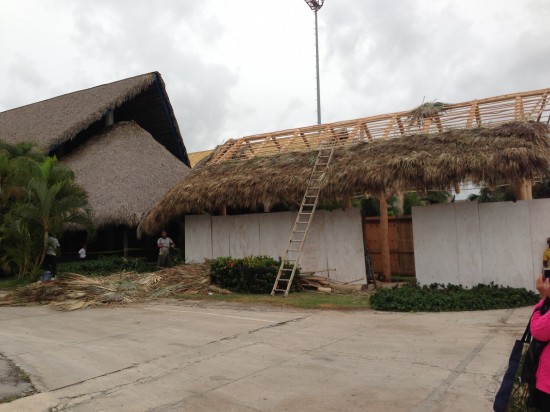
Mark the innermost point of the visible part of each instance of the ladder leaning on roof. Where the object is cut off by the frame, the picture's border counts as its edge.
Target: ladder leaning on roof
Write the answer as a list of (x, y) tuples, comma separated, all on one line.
[(289, 262)]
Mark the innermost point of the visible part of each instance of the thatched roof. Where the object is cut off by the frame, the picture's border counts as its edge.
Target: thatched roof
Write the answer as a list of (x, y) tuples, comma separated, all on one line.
[(125, 171), (197, 157), (506, 153), (52, 124)]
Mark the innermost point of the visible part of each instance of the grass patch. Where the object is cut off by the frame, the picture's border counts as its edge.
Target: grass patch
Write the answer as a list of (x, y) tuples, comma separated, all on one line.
[(12, 283), (302, 300)]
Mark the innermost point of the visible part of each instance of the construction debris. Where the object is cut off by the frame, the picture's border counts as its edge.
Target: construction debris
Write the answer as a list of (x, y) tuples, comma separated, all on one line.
[(326, 285), (73, 291)]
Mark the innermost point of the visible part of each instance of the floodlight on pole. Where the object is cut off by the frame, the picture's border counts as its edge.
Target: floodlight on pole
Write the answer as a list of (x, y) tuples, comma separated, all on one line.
[(316, 5)]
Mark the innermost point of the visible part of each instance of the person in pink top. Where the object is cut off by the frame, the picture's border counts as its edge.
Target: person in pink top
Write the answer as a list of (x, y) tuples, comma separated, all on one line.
[(540, 329)]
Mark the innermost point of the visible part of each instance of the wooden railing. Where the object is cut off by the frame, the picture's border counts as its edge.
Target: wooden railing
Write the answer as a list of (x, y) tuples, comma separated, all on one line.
[(533, 105)]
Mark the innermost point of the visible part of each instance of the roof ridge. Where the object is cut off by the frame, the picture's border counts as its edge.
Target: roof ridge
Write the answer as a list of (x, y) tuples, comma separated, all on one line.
[(153, 73)]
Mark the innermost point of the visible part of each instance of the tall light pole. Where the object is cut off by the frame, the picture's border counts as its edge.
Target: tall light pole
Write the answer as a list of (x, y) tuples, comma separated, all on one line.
[(316, 5)]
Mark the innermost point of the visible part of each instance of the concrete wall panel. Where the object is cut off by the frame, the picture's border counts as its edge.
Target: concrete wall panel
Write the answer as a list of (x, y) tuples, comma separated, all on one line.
[(506, 242), (539, 214), (274, 232), (333, 236), (435, 244), (344, 239), (470, 264), (198, 238), (314, 251), (244, 235), (495, 242), (220, 236)]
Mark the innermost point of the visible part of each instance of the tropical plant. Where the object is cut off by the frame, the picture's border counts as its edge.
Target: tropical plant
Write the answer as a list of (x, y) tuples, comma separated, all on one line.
[(371, 205), (38, 196), (486, 195)]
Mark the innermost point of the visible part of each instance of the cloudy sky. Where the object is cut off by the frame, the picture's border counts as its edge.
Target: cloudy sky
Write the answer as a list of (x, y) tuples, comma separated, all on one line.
[(235, 68)]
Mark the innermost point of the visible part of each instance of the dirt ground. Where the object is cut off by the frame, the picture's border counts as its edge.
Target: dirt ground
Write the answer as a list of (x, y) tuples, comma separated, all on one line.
[(178, 356)]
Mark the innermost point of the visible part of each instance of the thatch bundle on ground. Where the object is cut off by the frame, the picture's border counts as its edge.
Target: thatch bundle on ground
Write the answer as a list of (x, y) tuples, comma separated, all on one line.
[(74, 291), (504, 154)]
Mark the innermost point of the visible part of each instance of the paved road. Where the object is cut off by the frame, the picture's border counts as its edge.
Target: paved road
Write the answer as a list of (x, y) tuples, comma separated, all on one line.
[(203, 356)]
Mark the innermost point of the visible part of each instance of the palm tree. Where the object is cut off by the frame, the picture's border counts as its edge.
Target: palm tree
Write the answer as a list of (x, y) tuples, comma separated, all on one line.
[(38, 196), (16, 163), (55, 201)]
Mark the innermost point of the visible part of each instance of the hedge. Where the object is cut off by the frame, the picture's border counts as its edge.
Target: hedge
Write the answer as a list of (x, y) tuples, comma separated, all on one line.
[(252, 274), (441, 298)]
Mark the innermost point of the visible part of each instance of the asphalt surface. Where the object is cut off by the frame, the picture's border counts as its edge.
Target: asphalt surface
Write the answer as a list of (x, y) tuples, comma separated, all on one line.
[(177, 356)]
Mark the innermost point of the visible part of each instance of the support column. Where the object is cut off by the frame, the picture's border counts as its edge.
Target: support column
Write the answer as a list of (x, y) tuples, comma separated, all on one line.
[(223, 210), (384, 238), (346, 202), (400, 202), (125, 241), (523, 190)]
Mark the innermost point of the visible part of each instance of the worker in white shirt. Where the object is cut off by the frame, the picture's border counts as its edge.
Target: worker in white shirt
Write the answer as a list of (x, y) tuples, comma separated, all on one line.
[(164, 243)]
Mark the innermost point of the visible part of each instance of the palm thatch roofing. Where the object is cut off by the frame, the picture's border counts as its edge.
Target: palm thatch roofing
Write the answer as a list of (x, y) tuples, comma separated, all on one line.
[(509, 152), (59, 124), (125, 171), (197, 157)]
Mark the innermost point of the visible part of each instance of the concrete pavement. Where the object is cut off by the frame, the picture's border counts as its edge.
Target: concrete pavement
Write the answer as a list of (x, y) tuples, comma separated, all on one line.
[(189, 356)]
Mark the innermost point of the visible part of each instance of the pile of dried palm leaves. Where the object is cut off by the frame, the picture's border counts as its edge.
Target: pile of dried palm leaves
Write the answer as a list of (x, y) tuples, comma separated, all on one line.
[(73, 291)]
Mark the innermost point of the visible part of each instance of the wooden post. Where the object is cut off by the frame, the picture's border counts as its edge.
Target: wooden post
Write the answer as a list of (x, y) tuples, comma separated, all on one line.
[(523, 190), (223, 210), (346, 202), (125, 241), (267, 207), (384, 238), (400, 200)]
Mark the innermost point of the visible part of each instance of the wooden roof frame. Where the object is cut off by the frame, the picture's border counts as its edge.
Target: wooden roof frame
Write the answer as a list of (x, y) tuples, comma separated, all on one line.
[(492, 111)]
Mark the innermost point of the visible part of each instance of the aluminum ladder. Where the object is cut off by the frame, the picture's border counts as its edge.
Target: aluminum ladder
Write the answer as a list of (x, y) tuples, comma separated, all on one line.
[(289, 262)]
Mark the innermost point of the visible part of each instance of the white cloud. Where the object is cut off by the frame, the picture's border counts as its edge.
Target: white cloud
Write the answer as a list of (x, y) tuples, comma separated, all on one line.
[(246, 67)]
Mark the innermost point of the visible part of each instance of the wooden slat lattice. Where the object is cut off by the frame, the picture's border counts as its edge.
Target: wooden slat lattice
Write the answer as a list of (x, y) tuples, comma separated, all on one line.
[(533, 105)]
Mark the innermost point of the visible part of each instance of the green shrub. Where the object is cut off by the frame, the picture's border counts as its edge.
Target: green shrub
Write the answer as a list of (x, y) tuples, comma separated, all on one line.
[(105, 265), (440, 298), (252, 274)]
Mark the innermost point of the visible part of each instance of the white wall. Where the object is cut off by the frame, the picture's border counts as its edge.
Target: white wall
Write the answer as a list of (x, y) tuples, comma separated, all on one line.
[(335, 240), (470, 243)]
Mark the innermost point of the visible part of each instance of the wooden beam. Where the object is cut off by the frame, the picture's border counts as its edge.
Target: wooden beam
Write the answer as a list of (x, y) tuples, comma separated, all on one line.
[(437, 119), (518, 110), (400, 124), (426, 125), (367, 131), (542, 105), (389, 127), (384, 238), (472, 114)]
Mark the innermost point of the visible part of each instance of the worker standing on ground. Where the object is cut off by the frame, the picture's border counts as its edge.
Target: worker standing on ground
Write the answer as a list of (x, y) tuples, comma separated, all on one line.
[(546, 256), (164, 244), (50, 259)]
